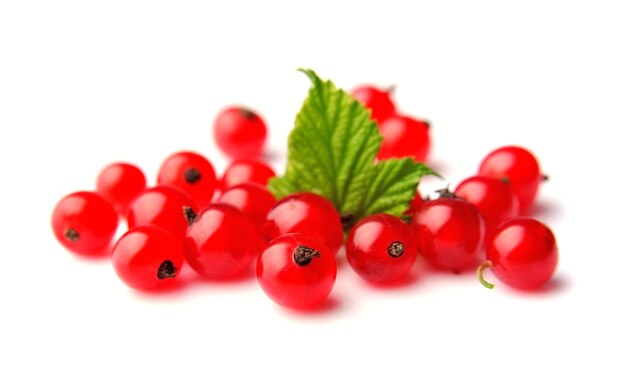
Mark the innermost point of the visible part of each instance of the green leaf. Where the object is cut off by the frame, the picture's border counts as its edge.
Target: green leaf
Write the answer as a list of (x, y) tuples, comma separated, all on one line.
[(392, 186), (331, 151)]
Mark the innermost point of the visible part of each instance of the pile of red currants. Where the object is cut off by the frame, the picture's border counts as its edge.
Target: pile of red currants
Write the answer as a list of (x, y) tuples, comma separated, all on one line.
[(484, 213), (220, 227)]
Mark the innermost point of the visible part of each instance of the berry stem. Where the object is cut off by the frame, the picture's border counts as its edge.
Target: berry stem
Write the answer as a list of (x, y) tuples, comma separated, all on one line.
[(192, 175), (189, 215), (544, 178), (445, 193), (395, 249), (246, 113), (479, 272), (72, 235), (303, 255), (166, 270)]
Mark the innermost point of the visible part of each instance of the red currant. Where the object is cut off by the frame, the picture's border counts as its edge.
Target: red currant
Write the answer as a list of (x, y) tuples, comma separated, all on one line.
[(239, 132), (247, 171), (147, 256), (404, 136), (192, 173), (492, 197), (306, 213), (84, 222), (221, 242), (162, 206), (449, 232), (119, 183), (252, 199), (376, 100), (296, 271), (517, 165), (415, 204), (522, 254), (381, 248)]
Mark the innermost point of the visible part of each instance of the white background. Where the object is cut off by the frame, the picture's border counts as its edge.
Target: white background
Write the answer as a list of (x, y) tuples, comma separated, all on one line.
[(84, 83)]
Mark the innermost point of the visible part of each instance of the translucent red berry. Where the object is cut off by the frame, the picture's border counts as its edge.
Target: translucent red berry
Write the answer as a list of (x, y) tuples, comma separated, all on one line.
[(119, 183), (415, 204), (296, 271), (147, 256), (306, 213), (221, 242), (377, 100), (381, 248), (405, 137), (523, 254), (161, 206), (84, 222), (240, 132), (517, 165), (492, 197), (449, 232), (247, 171), (191, 173), (252, 199)]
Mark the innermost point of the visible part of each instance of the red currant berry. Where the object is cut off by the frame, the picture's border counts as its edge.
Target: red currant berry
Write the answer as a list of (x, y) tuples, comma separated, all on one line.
[(306, 213), (376, 100), (381, 248), (221, 241), (415, 204), (192, 173), (147, 256), (252, 199), (84, 222), (247, 171), (296, 271), (161, 206), (119, 183), (522, 254), (239, 132), (492, 197), (517, 165), (449, 232), (404, 137)]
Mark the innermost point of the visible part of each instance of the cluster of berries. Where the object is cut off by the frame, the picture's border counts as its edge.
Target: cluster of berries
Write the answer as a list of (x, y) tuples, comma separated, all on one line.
[(483, 213), (219, 227)]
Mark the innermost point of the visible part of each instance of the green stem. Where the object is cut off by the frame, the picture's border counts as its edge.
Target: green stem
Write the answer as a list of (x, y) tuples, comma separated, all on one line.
[(479, 272)]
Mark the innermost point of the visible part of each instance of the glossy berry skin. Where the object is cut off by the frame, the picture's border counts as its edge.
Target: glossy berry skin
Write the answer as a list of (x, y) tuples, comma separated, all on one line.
[(523, 253), (517, 165), (119, 183), (492, 197), (381, 248), (296, 271), (306, 213), (147, 256), (246, 171), (239, 132), (252, 199), (84, 222), (221, 242), (161, 206), (378, 101), (404, 137), (191, 173), (449, 232)]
